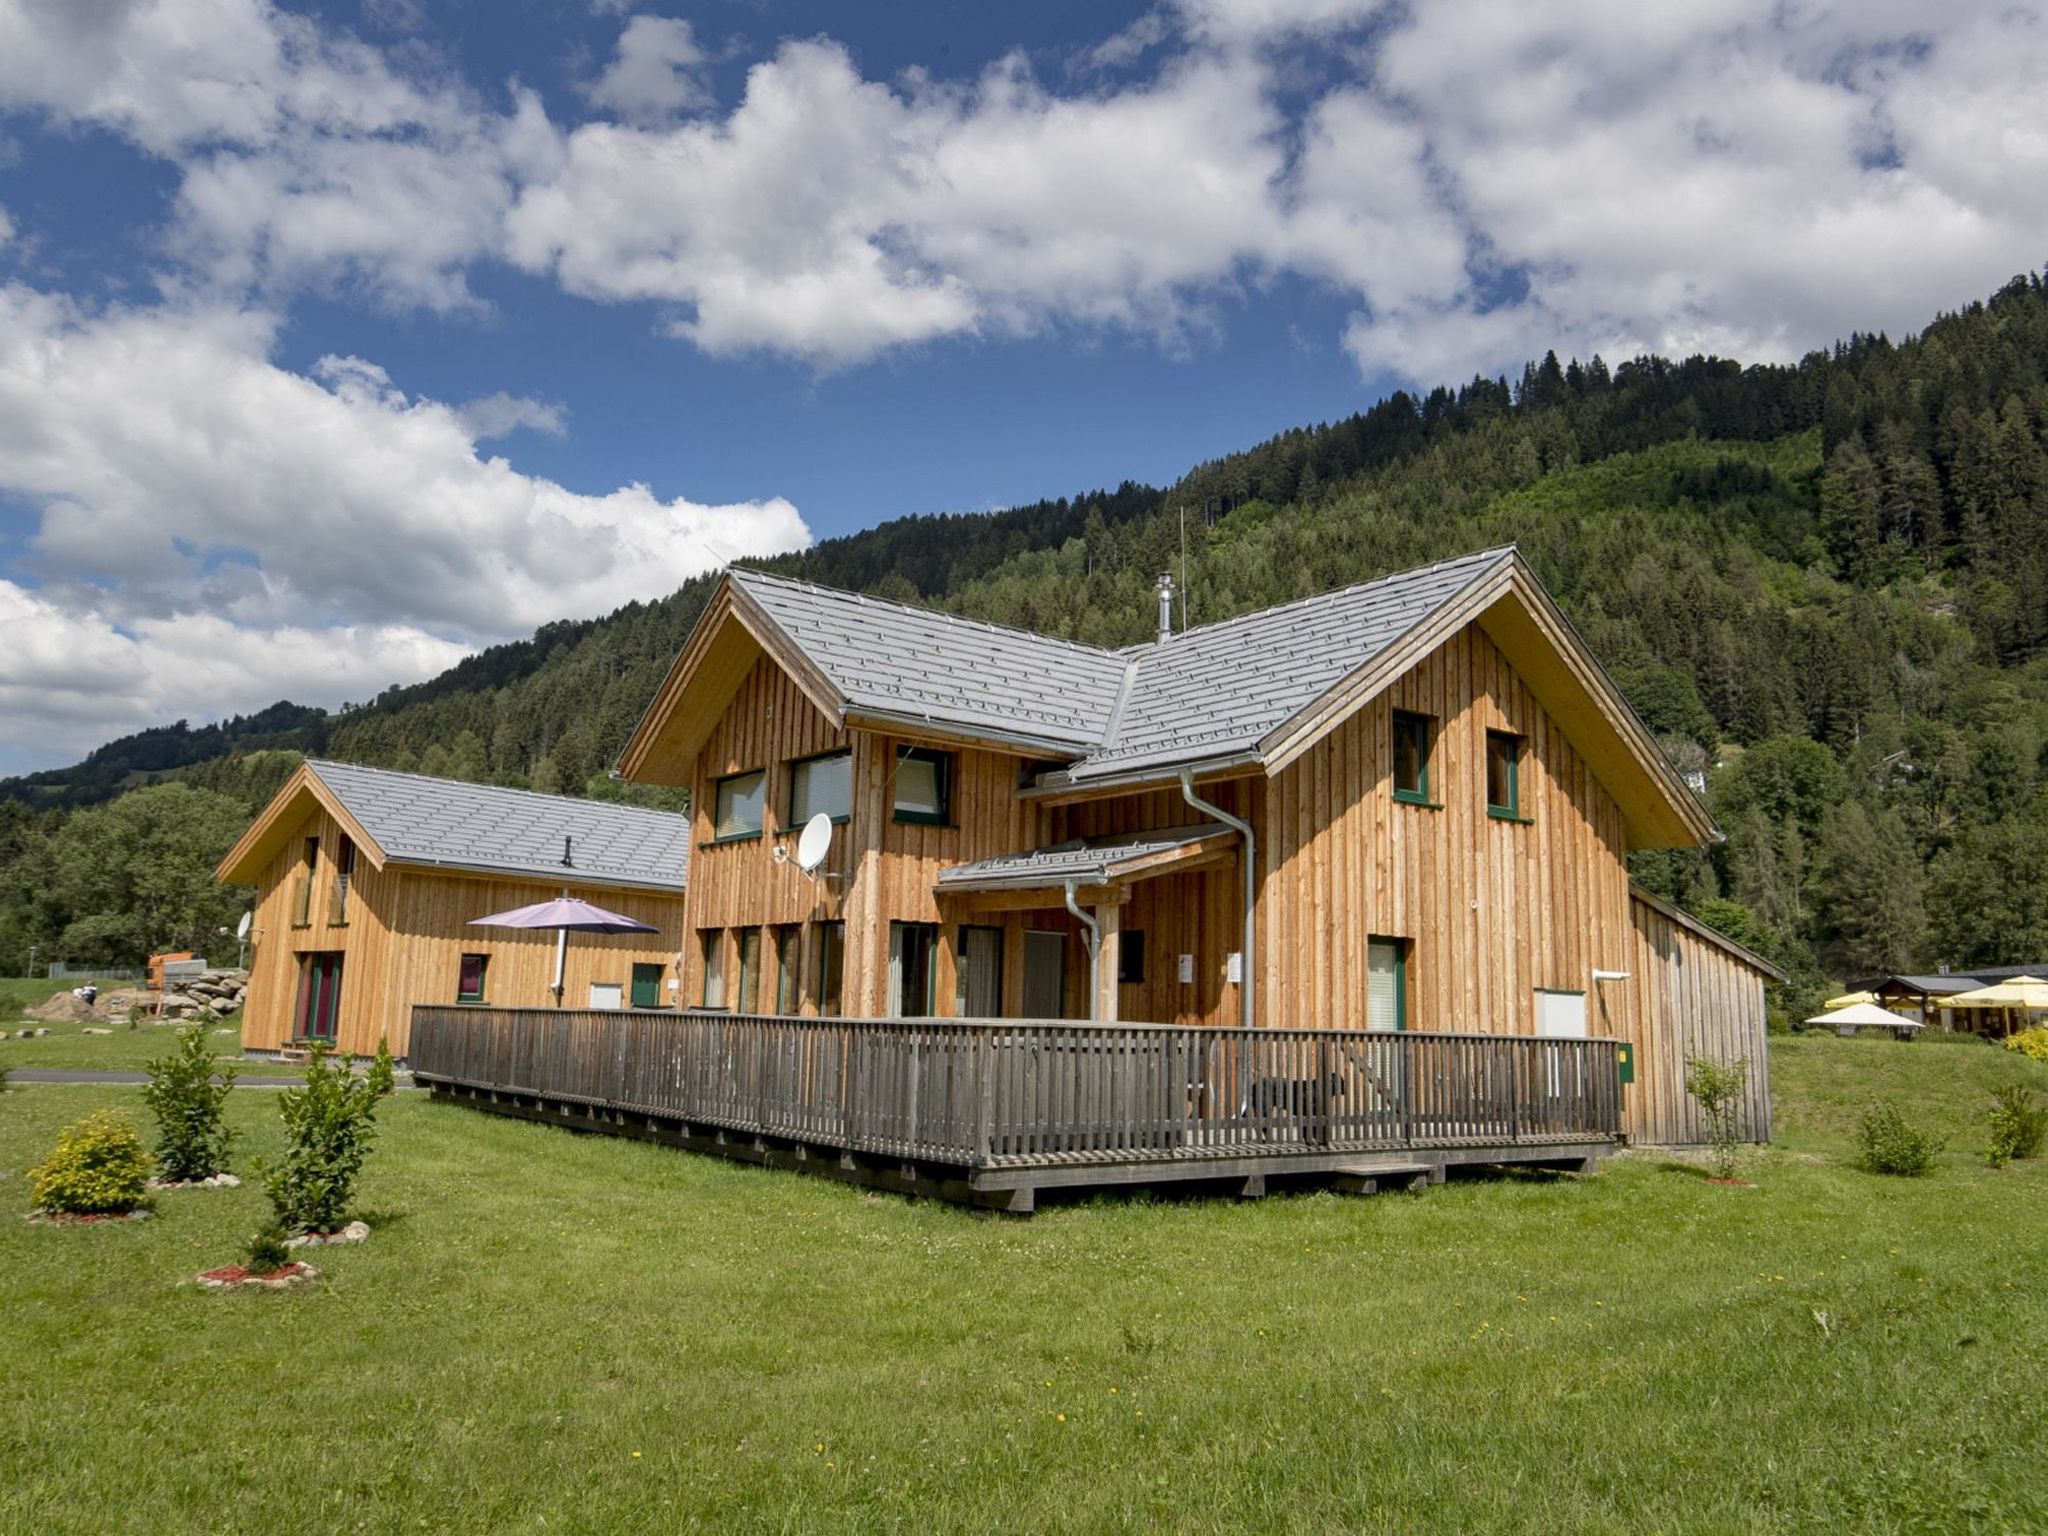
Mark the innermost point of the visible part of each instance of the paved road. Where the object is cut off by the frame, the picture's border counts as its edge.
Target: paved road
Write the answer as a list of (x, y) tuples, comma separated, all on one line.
[(70, 1075)]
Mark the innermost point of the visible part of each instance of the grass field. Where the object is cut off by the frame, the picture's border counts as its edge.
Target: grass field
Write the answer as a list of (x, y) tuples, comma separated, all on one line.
[(121, 1050), (550, 1332)]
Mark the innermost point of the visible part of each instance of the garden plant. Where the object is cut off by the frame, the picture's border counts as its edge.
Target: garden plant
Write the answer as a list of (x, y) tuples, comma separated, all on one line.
[(192, 1133), (99, 1167), (329, 1124), (1718, 1089), (1887, 1142)]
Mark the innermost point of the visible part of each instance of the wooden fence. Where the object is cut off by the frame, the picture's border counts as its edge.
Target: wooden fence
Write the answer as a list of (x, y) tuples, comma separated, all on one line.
[(992, 1093)]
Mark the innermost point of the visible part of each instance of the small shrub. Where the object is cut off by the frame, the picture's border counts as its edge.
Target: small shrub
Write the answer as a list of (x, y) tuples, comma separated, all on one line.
[(1718, 1088), (267, 1251), (2019, 1125), (328, 1126), (2031, 1043), (192, 1137), (1889, 1143), (383, 1073), (99, 1167)]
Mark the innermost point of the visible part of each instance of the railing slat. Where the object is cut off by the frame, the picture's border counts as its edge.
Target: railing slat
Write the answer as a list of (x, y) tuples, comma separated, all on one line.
[(968, 1092)]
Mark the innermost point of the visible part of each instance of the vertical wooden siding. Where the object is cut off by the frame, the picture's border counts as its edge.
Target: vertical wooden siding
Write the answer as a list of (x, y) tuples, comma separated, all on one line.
[(1694, 998), (405, 936), (1493, 910)]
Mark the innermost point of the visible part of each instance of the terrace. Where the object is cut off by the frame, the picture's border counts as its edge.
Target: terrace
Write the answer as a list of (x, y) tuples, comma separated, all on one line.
[(991, 1112)]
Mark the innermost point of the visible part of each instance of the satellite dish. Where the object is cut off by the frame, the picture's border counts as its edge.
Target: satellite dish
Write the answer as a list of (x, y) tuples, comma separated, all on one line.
[(242, 928), (814, 844)]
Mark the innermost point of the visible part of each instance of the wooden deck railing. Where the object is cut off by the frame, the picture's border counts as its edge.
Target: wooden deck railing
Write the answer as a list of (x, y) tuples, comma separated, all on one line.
[(982, 1093)]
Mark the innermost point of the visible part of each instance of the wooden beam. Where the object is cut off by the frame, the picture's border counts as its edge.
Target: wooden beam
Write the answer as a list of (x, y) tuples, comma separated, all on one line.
[(1032, 900), (1109, 946)]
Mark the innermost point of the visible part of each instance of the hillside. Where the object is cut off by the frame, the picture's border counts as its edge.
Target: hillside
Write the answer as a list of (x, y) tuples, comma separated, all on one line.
[(1822, 580)]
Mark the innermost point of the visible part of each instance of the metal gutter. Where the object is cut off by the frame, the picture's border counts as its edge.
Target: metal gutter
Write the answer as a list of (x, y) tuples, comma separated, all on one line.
[(1162, 775), (1094, 948)]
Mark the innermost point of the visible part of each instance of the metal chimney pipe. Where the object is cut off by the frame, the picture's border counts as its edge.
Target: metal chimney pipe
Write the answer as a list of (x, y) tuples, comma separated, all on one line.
[(1165, 606)]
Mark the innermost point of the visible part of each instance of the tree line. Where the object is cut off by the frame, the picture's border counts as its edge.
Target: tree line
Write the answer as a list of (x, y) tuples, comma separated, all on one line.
[(1821, 584)]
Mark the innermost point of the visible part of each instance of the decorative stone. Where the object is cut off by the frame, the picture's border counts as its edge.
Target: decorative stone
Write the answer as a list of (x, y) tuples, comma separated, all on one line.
[(86, 1219), (95, 1031), (215, 1181), (354, 1232)]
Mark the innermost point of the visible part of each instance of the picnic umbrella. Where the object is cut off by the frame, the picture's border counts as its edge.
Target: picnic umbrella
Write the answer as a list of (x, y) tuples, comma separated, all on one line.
[(1847, 1000), (1865, 1013), (566, 914)]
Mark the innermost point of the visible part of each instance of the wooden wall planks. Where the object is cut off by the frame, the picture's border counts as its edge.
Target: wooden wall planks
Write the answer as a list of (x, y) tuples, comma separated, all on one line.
[(406, 932), (1694, 998)]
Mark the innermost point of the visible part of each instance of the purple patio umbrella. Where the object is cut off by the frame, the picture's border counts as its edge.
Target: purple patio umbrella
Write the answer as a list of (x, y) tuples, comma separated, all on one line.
[(566, 915)]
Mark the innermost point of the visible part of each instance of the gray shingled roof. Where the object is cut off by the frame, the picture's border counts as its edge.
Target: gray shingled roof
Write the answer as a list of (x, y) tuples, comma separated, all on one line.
[(1089, 861), (415, 819), (1212, 692), (891, 659)]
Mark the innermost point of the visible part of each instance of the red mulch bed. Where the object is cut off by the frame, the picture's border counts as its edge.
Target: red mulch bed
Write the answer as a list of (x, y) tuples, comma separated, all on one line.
[(241, 1274)]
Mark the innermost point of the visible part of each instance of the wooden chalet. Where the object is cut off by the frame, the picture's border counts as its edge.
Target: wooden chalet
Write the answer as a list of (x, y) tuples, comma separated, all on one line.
[(1342, 877), (366, 881)]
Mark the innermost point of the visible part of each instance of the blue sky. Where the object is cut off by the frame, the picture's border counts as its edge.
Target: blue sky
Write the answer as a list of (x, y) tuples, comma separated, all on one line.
[(337, 341)]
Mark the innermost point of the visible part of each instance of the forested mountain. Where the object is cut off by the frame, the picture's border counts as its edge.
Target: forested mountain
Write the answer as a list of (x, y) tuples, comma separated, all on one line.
[(1822, 585)]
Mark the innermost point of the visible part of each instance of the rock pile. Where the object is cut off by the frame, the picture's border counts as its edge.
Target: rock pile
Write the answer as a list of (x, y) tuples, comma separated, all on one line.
[(213, 995)]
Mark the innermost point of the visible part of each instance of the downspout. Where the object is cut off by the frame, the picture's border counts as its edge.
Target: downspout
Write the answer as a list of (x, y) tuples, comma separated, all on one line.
[(1243, 829), (1094, 940)]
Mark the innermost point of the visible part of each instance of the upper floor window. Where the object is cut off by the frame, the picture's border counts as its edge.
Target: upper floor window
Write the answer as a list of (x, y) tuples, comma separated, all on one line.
[(1411, 756), (1504, 775), (302, 895), (737, 805), (924, 786), (344, 877), (821, 785)]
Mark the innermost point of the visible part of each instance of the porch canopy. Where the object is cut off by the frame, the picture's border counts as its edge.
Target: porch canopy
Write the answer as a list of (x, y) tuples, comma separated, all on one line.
[(1097, 869), (1091, 878)]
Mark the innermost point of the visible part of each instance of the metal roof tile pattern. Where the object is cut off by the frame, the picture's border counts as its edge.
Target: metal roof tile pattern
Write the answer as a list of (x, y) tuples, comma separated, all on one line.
[(1214, 691), (893, 659), (1080, 859), (420, 820), (1221, 688)]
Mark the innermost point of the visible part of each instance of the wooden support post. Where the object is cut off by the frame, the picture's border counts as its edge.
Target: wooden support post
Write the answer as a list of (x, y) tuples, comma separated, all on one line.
[(1111, 943), (1250, 1187)]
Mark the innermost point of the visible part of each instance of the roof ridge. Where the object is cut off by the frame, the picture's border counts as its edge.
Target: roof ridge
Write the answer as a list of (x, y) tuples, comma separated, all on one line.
[(1477, 557), (606, 806), (1040, 635), (1113, 726)]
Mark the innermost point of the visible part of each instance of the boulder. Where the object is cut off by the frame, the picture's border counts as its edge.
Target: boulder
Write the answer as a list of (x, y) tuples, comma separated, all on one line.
[(221, 1007), (95, 1031)]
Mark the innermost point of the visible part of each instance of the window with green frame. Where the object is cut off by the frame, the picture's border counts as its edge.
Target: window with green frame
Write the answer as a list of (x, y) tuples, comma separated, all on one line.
[(1504, 775), (737, 805), (744, 995), (1412, 740), (787, 947), (924, 786), (712, 941), (823, 783), (1386, 984), (647, 986), (469, 978)]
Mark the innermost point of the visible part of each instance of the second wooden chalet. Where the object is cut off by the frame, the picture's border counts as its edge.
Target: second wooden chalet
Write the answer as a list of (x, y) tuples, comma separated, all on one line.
[(366, 881), (1407, 805)]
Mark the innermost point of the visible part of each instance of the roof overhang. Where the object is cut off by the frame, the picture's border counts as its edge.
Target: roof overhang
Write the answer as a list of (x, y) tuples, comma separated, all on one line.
[(730, 635), (300, 795)]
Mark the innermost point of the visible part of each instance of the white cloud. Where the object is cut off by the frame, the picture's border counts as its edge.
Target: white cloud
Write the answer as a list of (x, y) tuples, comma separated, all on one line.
[(500, 414), (6, 227), (194, 496), (1249, 22), (657, 72)]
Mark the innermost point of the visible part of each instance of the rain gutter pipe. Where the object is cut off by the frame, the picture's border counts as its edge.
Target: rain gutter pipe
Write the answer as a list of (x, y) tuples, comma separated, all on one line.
[(1094, 950)]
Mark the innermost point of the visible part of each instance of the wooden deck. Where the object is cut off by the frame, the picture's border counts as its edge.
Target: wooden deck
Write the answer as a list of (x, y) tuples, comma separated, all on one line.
[(990, 1111)]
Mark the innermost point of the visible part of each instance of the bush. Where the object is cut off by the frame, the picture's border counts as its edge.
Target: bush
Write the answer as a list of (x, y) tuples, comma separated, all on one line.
[(1719, 1091), (267, 1251), (1891, 1144), (328, 1127), (383, 1074), (99, 1167), (192, 1138), (2019, 1125), (2031, 1043)]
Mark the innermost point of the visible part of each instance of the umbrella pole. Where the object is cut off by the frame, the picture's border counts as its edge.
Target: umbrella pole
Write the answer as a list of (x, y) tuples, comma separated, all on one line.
[(561, 958)]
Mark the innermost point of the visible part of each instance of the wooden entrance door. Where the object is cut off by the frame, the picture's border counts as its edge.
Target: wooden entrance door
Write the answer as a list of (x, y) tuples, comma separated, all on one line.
[(1045, 974), (319, 997)]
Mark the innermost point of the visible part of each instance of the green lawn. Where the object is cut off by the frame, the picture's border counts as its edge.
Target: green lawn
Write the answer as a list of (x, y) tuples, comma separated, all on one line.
[(554, 1332), (124, 1049), (18, 995)]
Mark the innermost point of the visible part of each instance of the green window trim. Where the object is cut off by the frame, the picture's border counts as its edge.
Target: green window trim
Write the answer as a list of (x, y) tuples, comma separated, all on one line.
[(1504, 748), (743, 834), (790, 822), (1400, 948), (483, 974), (1407, 723), (646, 984), (942, 784)]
